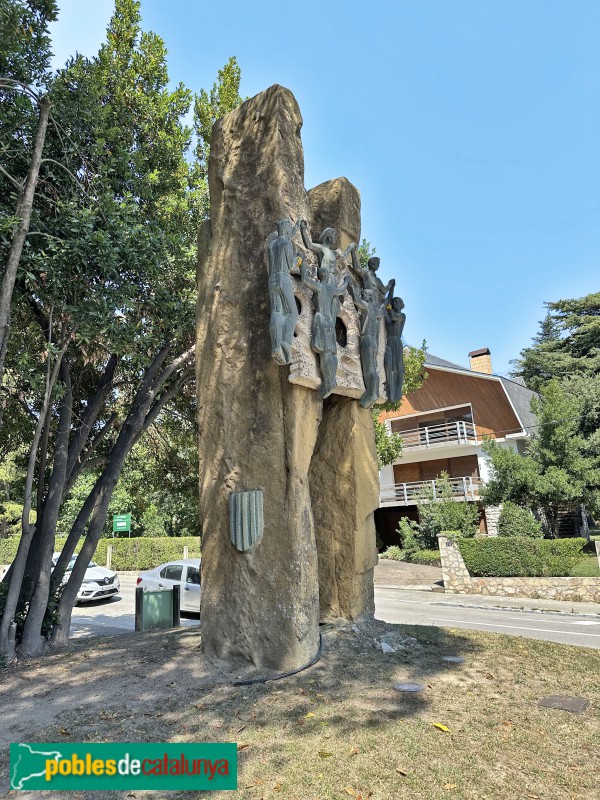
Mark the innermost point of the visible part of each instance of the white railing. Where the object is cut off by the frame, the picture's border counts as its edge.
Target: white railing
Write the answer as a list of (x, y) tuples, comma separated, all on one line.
[(405, 494), (448, 433)]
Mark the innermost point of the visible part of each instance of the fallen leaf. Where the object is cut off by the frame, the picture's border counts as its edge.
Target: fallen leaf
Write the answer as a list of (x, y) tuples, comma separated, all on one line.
[(324, 754), (490, 677), (310, 714), (449, 786), (64, 732), (440, 727), (401, 772), (242, 746), (277, 787), (355, 751), (239, 730), (506, 722), (349, 790)]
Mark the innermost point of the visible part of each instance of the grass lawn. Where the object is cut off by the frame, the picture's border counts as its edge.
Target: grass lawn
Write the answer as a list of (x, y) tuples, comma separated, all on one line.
[(340, 730)]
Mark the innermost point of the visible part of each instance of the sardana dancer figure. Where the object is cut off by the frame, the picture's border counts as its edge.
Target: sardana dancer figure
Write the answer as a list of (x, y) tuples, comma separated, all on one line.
[(394, 352), (368, 277), (326, 293), (327, 253), (284, 313), (371, 312)]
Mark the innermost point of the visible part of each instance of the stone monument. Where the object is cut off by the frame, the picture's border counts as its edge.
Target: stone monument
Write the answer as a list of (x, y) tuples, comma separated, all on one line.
[(288, 467)]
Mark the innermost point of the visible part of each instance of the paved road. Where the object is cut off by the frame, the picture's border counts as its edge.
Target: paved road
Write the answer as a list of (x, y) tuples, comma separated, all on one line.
[(408, 606), (446, 611), (111, 617)]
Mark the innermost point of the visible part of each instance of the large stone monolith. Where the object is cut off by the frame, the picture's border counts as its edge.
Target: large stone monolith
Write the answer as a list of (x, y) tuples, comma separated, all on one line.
[(344, 475), (258, 431)]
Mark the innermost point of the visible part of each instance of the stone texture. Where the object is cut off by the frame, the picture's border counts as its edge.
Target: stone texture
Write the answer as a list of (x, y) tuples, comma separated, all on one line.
[(258, 431), (336, 204), (458, 580), (575, 705), (492, 517), (333, 204), (344, 487), (344, 476)]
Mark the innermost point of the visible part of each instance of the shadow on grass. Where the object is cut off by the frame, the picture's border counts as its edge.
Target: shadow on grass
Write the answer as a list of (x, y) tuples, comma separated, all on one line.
[(159, 687)]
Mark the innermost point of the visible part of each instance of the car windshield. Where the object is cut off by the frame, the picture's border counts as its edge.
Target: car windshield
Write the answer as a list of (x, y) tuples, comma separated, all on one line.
[(74, 559)]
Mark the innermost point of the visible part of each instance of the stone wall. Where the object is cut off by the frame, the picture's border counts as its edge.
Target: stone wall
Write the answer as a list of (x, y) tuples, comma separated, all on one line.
[(458, 580), (492, 517)]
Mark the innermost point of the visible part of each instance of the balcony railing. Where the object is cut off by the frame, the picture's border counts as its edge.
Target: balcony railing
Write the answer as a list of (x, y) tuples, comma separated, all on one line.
[(407, 494), (448, 433)]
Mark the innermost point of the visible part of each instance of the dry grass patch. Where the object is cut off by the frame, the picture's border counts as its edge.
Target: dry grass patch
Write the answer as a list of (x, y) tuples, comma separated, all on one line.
[(339, 730)]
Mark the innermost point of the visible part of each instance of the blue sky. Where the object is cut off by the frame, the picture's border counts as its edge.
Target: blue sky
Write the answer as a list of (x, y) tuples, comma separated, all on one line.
[(470, 127)]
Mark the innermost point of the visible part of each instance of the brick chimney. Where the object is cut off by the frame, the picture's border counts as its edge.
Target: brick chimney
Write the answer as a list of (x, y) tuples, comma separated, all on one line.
[(481, 360)]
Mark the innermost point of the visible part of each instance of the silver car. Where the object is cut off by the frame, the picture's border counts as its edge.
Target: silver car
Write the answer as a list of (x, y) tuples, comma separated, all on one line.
[(184, 573), (98, 583)]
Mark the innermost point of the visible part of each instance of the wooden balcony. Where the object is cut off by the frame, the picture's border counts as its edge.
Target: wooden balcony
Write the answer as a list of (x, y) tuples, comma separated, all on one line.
[(444, 435), (407, 494)]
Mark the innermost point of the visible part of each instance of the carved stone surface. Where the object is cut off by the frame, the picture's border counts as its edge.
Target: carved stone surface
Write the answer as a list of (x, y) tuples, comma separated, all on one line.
[(304, 369), (284, 314), (246, 519), (256, 430), (314, 460), (344, 476)]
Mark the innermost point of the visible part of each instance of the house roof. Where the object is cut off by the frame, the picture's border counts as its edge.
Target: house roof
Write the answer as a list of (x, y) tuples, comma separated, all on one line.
[(518, 394), (520, 397), (434, 361)]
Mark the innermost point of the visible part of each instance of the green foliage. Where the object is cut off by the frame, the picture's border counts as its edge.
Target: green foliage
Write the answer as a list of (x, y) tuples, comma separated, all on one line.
[(518, 521), (586, 568), (442, 513), (208, 108), (562, 465), (520, 556), (410, 538), (388, 445), (393, 553), (146, 553), (153, 522), (136, 553), (364, 253), (429, 558), (568, 343)]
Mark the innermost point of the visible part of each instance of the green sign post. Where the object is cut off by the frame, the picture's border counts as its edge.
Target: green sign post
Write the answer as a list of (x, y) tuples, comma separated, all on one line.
[(122, 523)]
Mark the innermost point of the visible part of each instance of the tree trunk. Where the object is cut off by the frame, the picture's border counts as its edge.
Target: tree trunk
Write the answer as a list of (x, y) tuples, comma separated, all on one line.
[(14, 578), (23, 213), (144, 410), (41, 564)]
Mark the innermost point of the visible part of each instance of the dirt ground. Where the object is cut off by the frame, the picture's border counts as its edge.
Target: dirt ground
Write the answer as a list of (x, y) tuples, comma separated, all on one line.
[(338, 730)]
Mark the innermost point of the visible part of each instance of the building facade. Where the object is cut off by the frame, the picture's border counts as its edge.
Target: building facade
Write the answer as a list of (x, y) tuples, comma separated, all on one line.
[(443, 425)]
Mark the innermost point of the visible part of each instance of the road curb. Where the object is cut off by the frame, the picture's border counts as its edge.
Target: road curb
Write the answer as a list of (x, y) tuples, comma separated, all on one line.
[(499, 605)]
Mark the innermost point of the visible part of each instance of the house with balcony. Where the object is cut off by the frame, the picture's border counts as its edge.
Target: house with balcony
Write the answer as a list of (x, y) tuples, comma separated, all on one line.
[(443, 425)]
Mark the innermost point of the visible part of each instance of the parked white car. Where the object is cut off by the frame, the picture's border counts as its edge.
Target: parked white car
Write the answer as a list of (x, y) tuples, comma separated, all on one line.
[(184, 573), (99, 583)]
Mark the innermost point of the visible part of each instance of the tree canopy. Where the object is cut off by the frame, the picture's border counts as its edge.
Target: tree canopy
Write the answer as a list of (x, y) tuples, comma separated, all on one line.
[(103, 309), (567, 344)]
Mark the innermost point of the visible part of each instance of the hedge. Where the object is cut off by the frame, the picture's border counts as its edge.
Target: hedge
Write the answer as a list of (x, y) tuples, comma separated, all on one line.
[(143, 552), (8, 547), (428, 558), (520, 557)]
